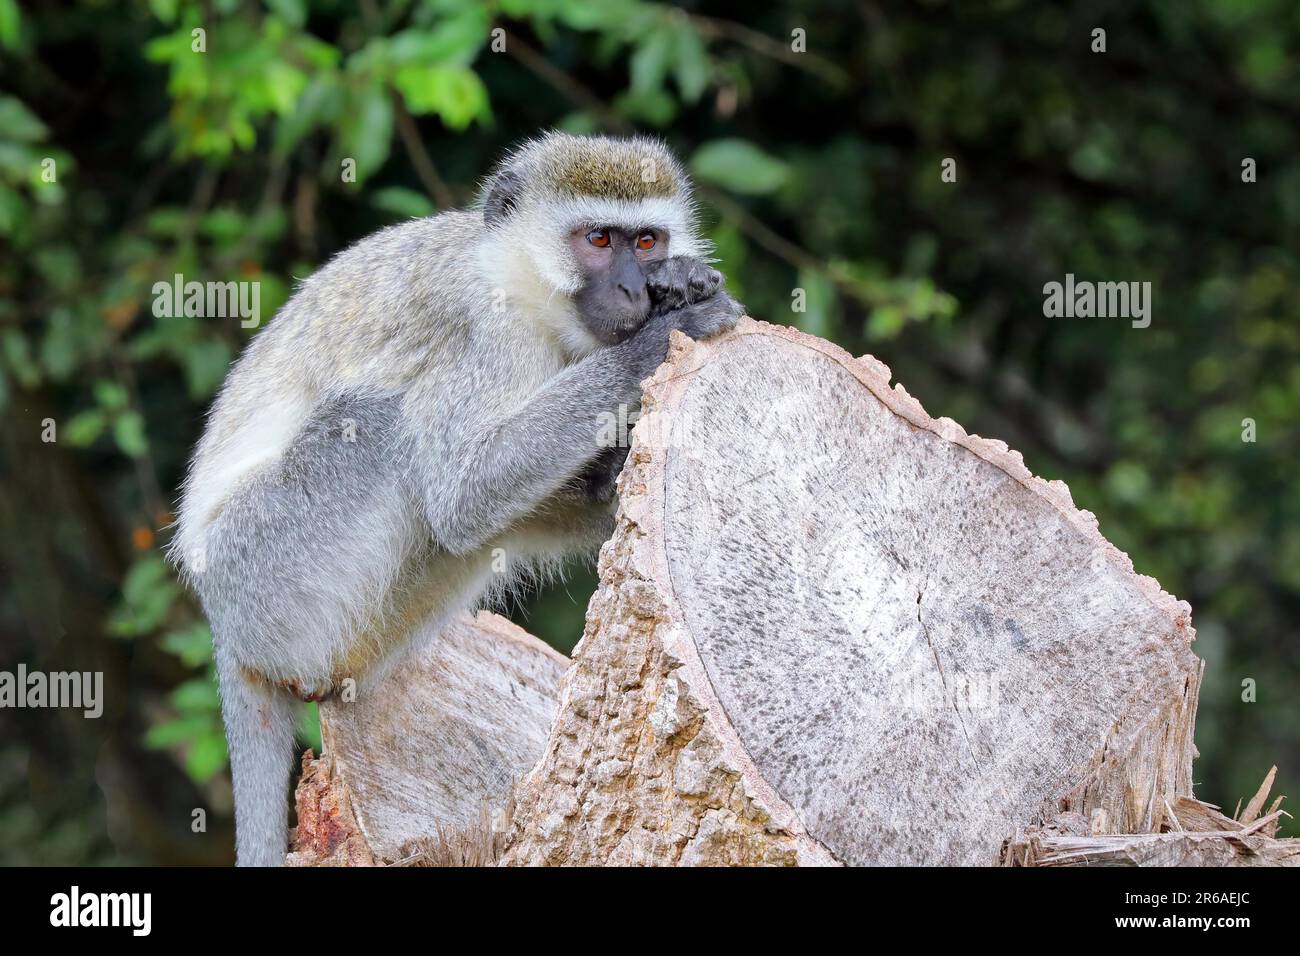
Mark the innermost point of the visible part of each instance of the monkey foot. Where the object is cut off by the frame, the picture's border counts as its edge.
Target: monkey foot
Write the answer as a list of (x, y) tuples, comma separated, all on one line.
[(304, 693)]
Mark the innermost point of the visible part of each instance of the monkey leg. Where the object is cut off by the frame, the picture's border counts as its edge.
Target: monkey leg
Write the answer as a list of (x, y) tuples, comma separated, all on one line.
[(299, 562)]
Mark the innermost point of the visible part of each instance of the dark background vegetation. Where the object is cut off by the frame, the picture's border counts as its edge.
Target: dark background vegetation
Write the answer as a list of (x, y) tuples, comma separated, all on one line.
[(818, 171)]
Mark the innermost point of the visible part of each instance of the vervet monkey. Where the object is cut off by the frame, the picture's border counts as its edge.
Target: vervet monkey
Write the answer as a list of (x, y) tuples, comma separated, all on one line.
[(427, 403)]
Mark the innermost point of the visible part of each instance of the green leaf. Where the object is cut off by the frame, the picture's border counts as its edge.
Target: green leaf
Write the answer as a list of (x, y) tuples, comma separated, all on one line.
[(649, 64), (85, 427), (309, 727), (147, 595), (454, 43), (18, 122), (17, 159), (128, 431), (401, 201), (170, 47), (1128, 481), (207, 757), (145, 576), (18, 352), (886, 322), (739, 166), (10, 24), (12, 210), (61, 347), (60, 266), (110, 395), (690, 62), (165, 10), (205, 363), (368, 132), (456, 94), (179, 731), (166, 221), (224, 225), (198, 695), (193, 645), (819, 303), (607, 15), (319, 104), (657, 108), (281, 85), (293, 12)]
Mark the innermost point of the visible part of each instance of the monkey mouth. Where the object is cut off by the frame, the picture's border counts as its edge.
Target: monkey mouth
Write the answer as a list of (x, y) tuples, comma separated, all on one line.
[(611, 326), (622, 328)]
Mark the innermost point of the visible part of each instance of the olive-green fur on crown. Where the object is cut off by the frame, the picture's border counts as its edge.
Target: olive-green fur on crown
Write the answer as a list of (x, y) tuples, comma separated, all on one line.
[(599, 166)]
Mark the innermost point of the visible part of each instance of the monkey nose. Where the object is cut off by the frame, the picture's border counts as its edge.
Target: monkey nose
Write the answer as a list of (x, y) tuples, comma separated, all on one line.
[(634, 295)]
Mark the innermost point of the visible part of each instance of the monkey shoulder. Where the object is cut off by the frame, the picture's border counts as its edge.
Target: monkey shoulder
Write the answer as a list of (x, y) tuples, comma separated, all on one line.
[(380, 310)]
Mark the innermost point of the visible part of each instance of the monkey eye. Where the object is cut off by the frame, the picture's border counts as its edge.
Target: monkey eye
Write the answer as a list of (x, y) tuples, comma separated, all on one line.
[(646, 241), (598, 238)]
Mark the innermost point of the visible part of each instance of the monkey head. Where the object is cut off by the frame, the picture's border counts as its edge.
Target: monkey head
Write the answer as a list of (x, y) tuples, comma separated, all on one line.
[(574, 223)]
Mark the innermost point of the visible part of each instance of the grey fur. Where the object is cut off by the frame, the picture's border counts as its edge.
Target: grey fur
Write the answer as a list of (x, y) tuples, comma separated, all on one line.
[(415, 431)]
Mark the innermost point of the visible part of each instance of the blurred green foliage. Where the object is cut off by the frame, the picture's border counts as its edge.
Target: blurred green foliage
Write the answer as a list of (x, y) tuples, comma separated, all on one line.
[(133, 148)]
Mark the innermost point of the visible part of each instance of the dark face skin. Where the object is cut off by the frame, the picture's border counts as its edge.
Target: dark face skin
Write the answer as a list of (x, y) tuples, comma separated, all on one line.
[(613, 301)]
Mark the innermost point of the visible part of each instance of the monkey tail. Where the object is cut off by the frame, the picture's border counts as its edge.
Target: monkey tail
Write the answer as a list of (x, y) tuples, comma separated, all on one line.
[(260, 720)]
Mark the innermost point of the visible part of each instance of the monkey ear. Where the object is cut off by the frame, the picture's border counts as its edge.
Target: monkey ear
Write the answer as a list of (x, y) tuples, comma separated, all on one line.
[(503, 197)]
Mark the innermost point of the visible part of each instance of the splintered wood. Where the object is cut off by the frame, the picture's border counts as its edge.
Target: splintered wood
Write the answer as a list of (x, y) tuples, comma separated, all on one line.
[(1196, 834)]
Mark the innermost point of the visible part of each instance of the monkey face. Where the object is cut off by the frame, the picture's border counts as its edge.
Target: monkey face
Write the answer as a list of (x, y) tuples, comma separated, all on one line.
[(613, 300)]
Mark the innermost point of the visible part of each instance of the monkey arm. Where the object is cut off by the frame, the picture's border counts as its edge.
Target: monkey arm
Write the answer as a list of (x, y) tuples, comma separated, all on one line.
[(514, 462), (305, 550), (513, 465)]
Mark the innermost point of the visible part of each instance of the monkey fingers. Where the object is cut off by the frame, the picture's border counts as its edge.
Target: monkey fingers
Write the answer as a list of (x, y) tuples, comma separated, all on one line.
[(681, 280), (703, 320), (601, 477)]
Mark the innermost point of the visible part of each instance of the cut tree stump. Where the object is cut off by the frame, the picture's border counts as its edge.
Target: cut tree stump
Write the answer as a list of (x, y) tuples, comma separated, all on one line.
[(418, 767), (831, 629)]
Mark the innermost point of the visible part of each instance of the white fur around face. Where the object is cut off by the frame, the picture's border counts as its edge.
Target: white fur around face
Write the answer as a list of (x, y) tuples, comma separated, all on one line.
[(536, 288), (529, 256)]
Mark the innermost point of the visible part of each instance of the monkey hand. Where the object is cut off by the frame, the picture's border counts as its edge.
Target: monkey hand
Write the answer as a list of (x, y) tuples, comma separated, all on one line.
[(599, 479), (703, 320), (680, 280), (647, 348)]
